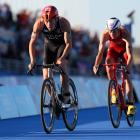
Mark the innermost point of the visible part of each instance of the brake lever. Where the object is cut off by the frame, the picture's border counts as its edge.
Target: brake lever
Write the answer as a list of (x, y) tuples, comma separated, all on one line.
[(100, 70), (29, 72)]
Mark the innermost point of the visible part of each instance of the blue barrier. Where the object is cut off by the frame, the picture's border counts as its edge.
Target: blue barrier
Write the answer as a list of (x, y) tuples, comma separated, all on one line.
[(16, 101), (20, 96), (8, 107)]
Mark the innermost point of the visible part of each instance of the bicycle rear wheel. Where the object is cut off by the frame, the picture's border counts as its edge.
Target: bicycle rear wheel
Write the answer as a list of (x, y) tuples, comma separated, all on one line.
[(47, 109), (115, 111), (130, 120), (70, 114)]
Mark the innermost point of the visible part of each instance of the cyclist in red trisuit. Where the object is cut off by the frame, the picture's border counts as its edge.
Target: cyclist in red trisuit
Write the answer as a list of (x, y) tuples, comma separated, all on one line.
[(119, 47), (57, 43)]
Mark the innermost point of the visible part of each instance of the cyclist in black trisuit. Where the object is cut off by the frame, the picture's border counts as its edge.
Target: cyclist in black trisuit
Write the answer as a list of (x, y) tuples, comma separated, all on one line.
[(57, 43)]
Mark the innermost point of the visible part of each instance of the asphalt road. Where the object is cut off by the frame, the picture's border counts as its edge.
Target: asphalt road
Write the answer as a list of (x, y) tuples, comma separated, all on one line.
[(93, 124)]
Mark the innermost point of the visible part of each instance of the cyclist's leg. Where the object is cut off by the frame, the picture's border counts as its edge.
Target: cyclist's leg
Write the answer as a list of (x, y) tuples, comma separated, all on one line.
[(111, 58), (64, 77), (48, 58), (129, 89)]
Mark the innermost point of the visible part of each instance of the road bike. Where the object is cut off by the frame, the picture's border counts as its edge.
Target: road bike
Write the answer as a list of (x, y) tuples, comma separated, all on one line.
[(52, 104), (117, 86)]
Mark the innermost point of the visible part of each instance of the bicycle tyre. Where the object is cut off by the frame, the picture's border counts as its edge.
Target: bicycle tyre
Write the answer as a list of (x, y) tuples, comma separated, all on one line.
[(68, 113), (115, 111), (47, 105), (130, 120)]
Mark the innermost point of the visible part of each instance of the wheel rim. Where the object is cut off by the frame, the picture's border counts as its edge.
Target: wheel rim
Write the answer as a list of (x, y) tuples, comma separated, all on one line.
[(114, 108), (47, 111), (70, 114), (130, 120)]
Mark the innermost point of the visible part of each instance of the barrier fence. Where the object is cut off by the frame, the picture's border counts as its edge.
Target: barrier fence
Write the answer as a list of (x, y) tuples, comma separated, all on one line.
[(20, 96)]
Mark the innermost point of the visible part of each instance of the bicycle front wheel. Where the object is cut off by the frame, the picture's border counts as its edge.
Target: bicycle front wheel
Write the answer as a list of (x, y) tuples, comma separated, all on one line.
[(70, 114), (47, 110), (114, 108)]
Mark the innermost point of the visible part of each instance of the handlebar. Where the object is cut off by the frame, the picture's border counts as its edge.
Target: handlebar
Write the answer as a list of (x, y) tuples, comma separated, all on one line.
[(53, 66), (118, 66)]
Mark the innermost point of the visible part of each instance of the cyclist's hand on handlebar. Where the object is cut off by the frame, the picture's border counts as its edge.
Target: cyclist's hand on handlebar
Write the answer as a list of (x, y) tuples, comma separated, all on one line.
[(31, 65), (95, 69), (30, 68)]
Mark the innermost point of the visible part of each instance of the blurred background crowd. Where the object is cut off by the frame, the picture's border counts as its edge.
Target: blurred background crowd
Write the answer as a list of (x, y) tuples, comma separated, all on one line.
[(15, 32)]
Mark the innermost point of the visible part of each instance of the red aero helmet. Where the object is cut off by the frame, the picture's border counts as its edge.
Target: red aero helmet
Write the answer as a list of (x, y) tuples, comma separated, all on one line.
[(49, 12)]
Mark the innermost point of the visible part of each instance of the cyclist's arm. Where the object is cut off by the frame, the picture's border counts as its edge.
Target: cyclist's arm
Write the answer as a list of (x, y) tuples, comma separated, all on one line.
[(127, 39), (66, 28), (34, 37), (101, 49)]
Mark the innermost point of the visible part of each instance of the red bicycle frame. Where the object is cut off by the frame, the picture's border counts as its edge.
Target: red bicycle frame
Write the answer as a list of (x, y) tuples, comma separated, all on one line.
[(120, 86)]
